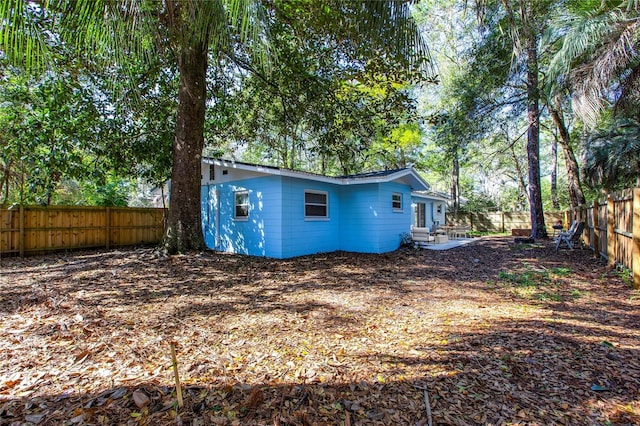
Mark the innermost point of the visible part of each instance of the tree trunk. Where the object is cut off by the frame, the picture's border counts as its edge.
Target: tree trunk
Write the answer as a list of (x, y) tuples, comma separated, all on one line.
[(554, 173), (573, 173), (538, 228), (455, 182), (184, 226), (4, 182), (524, 194)]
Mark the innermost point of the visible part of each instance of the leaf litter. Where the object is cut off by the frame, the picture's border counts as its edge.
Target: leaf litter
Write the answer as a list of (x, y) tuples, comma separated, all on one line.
[(486, 334)]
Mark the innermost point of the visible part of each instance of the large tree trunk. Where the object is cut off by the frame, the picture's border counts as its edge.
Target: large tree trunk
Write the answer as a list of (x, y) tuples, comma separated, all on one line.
[(538, 228), (554, 173), (4, 181), (455, 182), (573, 173), (524, 193), (184, 226)]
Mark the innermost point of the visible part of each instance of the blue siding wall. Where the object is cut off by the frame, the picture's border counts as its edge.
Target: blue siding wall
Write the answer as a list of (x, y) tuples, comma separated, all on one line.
[(260, 234), (360, 210), (369, 223), (302, 236), (361, 218), (392, 223)]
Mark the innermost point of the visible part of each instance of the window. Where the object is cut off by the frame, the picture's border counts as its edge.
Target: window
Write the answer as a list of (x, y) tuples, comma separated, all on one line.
[(315, 204), (212, 172), (439, 209), (242, 204), (396, 201)]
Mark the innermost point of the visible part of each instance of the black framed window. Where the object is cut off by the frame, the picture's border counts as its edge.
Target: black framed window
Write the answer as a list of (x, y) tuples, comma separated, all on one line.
[(316, 204)]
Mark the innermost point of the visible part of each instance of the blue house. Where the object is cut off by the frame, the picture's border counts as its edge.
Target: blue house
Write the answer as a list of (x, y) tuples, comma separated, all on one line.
[(281, 213)]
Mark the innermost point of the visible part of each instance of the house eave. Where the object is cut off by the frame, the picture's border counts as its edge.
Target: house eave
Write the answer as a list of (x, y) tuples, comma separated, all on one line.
[(420, 194), (416, 182)]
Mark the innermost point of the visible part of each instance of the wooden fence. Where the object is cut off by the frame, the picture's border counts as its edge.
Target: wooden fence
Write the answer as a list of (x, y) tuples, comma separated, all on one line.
[(503, 221), (34, 229), (612, 227)]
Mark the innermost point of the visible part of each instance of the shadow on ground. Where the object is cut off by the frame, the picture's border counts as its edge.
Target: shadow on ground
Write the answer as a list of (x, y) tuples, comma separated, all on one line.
[(492, 332)]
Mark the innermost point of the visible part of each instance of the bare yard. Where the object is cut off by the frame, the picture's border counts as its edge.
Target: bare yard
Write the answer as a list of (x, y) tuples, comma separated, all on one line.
[(492, 333)]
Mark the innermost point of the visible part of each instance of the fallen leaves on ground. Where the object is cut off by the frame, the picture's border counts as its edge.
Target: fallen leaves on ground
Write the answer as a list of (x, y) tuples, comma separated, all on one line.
[(490, 333)]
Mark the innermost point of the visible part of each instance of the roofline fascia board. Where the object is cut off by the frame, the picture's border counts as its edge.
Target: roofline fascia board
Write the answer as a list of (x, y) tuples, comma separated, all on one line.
[(430, 197), (315, 177)]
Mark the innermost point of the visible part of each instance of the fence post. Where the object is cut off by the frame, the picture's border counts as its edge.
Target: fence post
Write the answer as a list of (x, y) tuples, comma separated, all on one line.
[(596, 231), (21, 231), (636, 239), (611, 236), (108, 227), (502, 224)]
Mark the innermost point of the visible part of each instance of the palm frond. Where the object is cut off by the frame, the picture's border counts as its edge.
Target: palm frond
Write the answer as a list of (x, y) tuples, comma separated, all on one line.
[(612, 155), (23, 39), (596, 54)]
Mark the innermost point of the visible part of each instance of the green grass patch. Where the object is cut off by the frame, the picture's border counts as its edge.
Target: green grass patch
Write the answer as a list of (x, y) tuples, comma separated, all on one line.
[(528, 278), (626, 275), (561, 272), (533, 284)]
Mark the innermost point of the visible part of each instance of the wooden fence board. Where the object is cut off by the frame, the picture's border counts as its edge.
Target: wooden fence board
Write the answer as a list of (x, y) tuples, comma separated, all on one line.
[(35, 229)]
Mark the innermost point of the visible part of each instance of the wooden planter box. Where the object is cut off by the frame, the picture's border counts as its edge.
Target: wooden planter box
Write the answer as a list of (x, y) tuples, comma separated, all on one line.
[(521, 232)]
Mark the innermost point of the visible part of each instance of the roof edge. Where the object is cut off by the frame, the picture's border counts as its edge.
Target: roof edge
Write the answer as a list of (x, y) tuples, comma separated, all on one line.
[(344, 180)]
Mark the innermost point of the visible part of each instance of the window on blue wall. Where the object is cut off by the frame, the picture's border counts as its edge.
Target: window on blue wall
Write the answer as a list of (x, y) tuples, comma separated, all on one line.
[(242, 204), (396, 201), (315, 204)]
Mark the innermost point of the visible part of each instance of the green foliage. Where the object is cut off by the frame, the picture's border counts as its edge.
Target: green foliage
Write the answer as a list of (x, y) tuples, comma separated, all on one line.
[(46, 129), (598, 58), (69, 126), (111, 194), (612, 155), (336, 106), (405, 239), (563, 195)]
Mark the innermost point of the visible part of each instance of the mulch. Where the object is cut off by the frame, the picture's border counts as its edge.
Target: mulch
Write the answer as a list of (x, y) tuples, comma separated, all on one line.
[(491, 333)]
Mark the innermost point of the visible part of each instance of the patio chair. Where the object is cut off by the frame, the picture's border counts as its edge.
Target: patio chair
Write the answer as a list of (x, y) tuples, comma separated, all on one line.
[(461, 231), (421, 236), (571, 236)]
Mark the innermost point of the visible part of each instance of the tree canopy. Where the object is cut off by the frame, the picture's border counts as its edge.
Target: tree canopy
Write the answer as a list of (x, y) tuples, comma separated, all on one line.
[(518, 104)]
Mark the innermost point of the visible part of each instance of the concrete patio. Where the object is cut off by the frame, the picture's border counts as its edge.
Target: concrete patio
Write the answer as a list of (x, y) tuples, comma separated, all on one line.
[(449, 244)]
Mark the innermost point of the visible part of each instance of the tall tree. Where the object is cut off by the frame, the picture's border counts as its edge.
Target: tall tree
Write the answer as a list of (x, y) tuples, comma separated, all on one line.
[(525, 21), (573, 174), (193, 32), (599, 63)]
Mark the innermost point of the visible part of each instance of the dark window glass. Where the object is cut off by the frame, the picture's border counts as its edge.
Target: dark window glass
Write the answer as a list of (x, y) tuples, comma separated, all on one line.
[(315, 204)]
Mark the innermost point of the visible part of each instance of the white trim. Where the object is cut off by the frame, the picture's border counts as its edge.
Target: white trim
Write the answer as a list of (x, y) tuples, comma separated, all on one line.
[(429, 197), (393, 201), (417, 181), (235, 205)]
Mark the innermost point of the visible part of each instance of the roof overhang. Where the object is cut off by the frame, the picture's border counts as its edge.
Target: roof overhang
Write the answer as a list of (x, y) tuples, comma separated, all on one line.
[(429, 196), (407, 176)]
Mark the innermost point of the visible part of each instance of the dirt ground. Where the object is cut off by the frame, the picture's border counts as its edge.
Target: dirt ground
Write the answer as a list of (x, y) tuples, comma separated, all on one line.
[(491, 333)]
